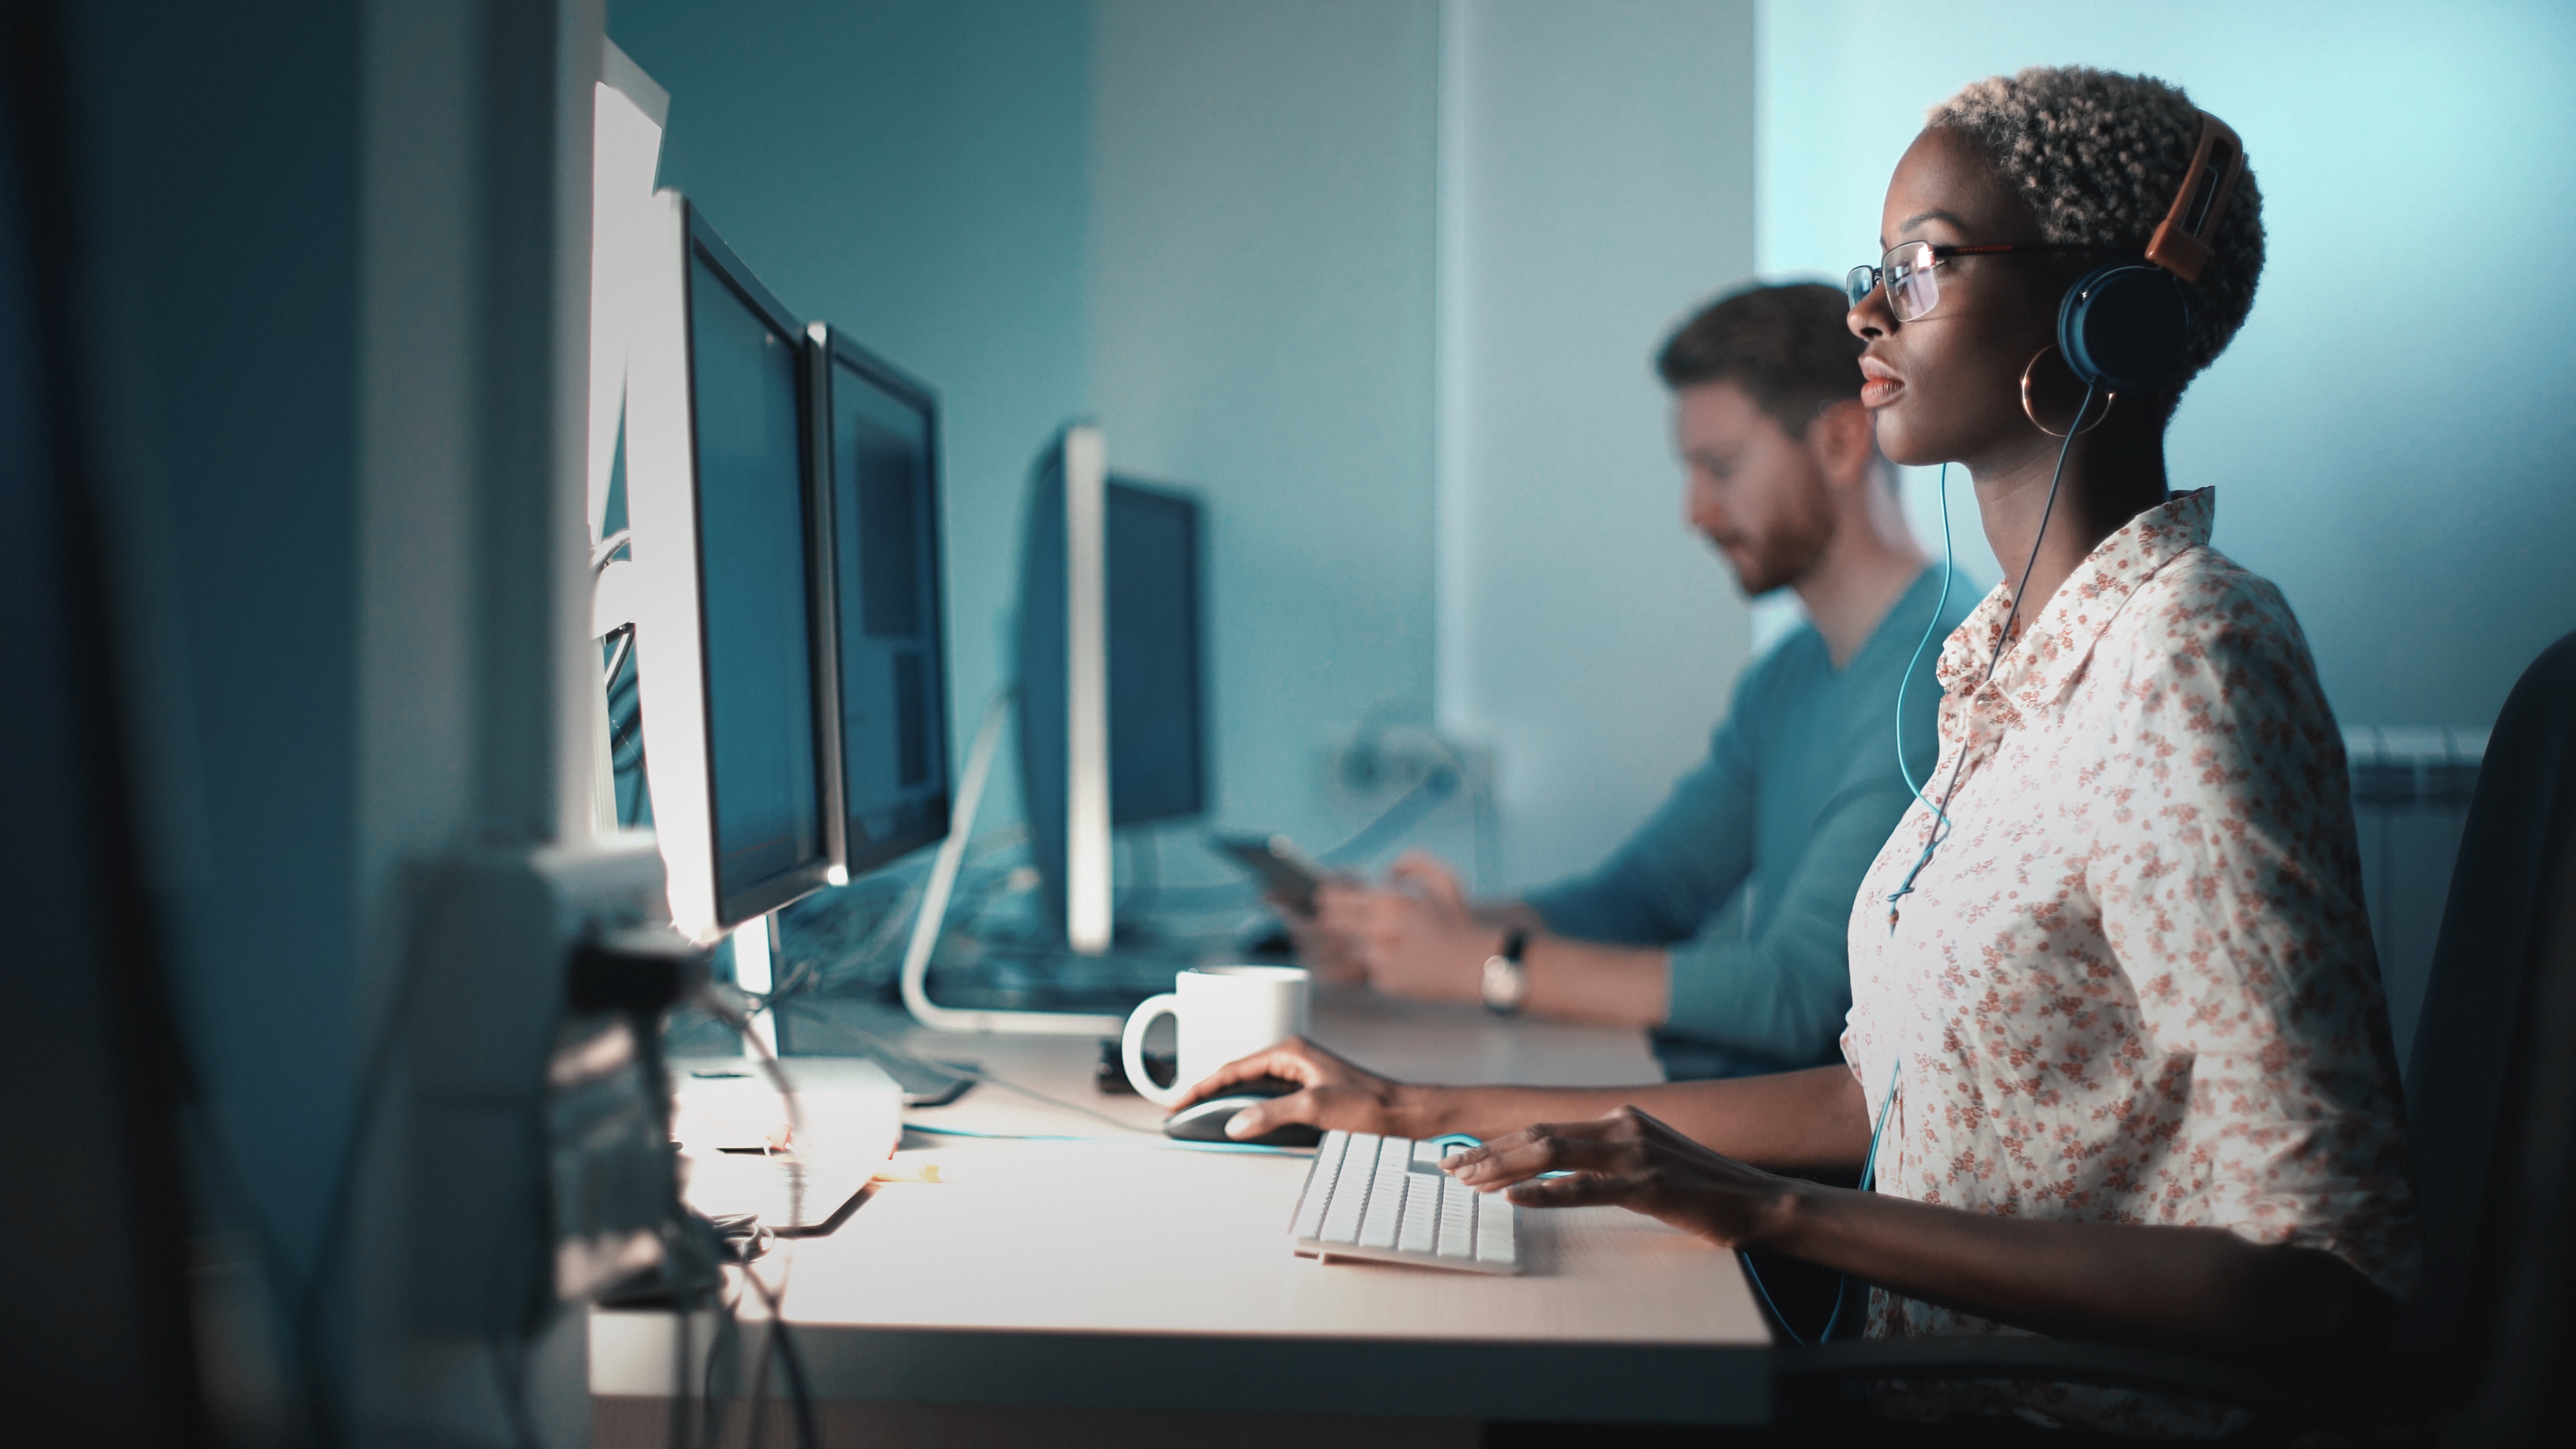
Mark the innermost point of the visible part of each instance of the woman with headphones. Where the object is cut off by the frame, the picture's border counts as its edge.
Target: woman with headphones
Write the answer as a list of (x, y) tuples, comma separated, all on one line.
[(2117, 1055)]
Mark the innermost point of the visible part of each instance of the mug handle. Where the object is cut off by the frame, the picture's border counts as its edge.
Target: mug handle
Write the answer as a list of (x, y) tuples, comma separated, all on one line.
[(1131, 1051)]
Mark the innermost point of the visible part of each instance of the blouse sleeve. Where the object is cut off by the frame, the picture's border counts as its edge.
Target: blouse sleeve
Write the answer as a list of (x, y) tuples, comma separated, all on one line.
[(2230, 889)]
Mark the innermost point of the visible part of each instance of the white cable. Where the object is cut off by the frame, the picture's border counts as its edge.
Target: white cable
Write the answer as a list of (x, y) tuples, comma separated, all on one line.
[(934, 913)]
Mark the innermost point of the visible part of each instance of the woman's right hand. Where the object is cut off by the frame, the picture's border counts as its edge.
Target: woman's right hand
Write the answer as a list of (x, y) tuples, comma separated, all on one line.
[(1332, 1092), (1627, 1158)]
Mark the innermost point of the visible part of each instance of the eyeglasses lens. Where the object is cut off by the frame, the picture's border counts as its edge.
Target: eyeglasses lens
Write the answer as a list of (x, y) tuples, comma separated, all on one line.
[(1858, 283), (1911, 291)]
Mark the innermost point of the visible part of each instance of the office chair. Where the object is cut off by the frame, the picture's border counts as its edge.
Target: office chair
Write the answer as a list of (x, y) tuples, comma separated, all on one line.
[(2480, 1353)]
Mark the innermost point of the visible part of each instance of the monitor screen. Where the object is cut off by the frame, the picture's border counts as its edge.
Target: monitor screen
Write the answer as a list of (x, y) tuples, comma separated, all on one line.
[(763, 791), (885, 523), (1156, 767)]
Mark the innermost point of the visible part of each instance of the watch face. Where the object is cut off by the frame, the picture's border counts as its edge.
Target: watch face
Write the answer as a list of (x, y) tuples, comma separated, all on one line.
[(1506, 982)]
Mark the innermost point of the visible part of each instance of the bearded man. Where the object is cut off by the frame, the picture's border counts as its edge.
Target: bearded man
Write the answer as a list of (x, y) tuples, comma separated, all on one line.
[(1720, 924)]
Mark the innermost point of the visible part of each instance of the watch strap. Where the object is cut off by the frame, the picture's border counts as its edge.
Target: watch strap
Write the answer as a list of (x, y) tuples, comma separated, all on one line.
[(1505, 984)]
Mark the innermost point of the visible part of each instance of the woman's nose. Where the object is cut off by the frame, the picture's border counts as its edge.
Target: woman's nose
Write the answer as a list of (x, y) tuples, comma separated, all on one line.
[(1867, 318)]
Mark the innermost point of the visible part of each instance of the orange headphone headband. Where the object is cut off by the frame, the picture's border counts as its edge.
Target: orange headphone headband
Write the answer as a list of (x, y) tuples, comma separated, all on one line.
[(2181, 244)]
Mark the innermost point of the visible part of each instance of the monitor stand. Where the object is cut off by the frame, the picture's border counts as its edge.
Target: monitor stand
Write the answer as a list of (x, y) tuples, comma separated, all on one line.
[(1026, 1010), (1052, 977)]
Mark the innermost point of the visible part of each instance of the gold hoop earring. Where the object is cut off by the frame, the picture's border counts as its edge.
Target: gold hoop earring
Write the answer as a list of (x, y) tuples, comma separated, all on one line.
[(2064, 396)]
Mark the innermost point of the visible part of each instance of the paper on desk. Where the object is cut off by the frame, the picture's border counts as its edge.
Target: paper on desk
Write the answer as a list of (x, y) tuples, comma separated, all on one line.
[(933, 1167)]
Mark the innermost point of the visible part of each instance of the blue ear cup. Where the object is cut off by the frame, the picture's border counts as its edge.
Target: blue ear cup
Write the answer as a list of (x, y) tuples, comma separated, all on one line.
[(2122, 328)]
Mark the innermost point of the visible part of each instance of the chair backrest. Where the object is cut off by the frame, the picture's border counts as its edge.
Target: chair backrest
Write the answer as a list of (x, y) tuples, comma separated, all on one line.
[(2496, 1010)]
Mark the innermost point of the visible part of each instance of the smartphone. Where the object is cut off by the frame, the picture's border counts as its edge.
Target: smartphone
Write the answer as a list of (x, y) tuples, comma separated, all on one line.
[(1286, 874)]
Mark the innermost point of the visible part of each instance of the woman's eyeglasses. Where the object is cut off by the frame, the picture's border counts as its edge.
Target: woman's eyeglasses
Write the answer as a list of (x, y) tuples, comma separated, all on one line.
[(1907, 271)]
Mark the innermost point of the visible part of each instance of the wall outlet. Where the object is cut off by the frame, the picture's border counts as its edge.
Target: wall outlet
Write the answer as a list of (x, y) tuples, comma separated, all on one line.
[(1376, 764)]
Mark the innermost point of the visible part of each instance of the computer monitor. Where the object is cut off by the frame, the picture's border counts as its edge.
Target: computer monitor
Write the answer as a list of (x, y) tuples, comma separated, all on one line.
[(729, 536), (1112, 701), (880, 617)]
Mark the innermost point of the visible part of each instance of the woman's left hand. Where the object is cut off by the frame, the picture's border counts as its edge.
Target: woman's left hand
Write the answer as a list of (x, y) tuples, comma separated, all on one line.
[(1629, 1159)]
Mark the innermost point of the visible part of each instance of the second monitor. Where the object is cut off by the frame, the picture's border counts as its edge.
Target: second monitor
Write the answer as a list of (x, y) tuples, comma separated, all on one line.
[(1112, 706), (876, 431)]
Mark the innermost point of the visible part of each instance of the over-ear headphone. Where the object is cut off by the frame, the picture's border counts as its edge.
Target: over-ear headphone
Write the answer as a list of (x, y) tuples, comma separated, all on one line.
[(2124, 326)]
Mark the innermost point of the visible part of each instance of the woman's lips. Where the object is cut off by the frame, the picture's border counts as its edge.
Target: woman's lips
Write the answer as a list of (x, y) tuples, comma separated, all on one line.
[(1879, 383)]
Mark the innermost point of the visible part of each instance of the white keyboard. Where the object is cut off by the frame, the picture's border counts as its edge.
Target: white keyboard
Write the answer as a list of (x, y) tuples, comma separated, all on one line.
[(1386, 1199)]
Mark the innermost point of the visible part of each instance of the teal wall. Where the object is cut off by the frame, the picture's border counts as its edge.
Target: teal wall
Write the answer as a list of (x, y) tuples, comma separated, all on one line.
[(1600, 168), (1261, 310), (919, 174), (1207, 226), (2389, 434), (1218, 229)]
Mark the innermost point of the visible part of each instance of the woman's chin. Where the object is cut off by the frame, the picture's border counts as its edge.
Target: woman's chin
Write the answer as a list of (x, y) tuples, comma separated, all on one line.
[(1904, 444)]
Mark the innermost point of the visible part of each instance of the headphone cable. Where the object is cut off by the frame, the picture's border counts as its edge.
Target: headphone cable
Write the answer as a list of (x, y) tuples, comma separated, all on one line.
[(1940, 830)]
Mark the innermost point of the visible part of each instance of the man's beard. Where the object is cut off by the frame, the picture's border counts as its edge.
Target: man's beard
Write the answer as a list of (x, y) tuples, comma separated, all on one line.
[(1790, 550)]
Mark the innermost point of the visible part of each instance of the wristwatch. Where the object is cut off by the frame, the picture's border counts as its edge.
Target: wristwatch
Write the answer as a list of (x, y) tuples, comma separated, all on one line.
[(1506, 982)]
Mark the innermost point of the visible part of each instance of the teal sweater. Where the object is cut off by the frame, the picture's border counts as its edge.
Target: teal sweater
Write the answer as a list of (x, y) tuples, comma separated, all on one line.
[(1747, 872)]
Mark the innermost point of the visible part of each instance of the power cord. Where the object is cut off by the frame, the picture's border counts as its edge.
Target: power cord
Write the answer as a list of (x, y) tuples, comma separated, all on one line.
[(779, 1337)]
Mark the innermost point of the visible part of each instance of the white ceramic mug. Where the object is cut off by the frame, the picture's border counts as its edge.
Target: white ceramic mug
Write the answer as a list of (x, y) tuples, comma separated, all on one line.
[(1222, 1012)]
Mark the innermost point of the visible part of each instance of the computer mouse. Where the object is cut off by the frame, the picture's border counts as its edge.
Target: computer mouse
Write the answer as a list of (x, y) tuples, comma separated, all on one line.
[(1205, 1121)]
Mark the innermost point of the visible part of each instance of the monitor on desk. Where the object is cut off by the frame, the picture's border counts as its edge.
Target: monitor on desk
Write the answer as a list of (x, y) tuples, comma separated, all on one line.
[(729, 536), (879, 612), (1112, 706)]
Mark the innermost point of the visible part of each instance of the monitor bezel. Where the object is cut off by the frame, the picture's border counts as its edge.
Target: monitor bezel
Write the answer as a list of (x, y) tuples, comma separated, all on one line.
[(806, 877), (830, 348)]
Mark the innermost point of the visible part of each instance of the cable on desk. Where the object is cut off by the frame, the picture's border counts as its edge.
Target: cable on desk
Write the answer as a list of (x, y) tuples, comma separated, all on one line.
[(1251, 1148), (978, 1074)]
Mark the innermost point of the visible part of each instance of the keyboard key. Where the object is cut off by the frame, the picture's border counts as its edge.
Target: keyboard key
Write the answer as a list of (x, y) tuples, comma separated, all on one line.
[(1457, 1219), (1384, 1198), (1421, 1213), (1319, 1185), (1350, 1190), (1496, 1227), (1386, 1194)]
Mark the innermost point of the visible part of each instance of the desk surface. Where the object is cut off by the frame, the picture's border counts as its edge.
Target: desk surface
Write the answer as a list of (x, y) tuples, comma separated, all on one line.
[(1124, 1273)]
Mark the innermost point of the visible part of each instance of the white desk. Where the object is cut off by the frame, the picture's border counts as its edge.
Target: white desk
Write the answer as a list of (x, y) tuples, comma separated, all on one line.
[(1130, 1276)]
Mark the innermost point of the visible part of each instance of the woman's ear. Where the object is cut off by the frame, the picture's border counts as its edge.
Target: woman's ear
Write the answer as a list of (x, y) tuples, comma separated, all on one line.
[(1843, 440)]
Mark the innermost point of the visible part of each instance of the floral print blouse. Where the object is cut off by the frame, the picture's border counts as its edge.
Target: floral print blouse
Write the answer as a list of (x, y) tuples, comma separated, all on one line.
[(2134, 981)]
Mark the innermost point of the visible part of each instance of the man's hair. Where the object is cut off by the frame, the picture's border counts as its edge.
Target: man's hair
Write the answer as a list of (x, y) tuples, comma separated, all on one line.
[(1786, 346), (2097, 157)]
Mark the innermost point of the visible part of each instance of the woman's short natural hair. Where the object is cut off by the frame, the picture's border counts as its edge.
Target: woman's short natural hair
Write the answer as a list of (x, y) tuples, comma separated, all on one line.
[(2097, 157), (1787, 347)]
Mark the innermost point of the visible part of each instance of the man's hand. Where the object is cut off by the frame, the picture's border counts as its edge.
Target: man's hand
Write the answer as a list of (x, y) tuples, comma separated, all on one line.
[(1333, 956), (1333, 1092), (1629, 1159), (1418, 937)]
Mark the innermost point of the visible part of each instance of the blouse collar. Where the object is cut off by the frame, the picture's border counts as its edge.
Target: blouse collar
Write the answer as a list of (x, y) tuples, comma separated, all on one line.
[(2053, 646)]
